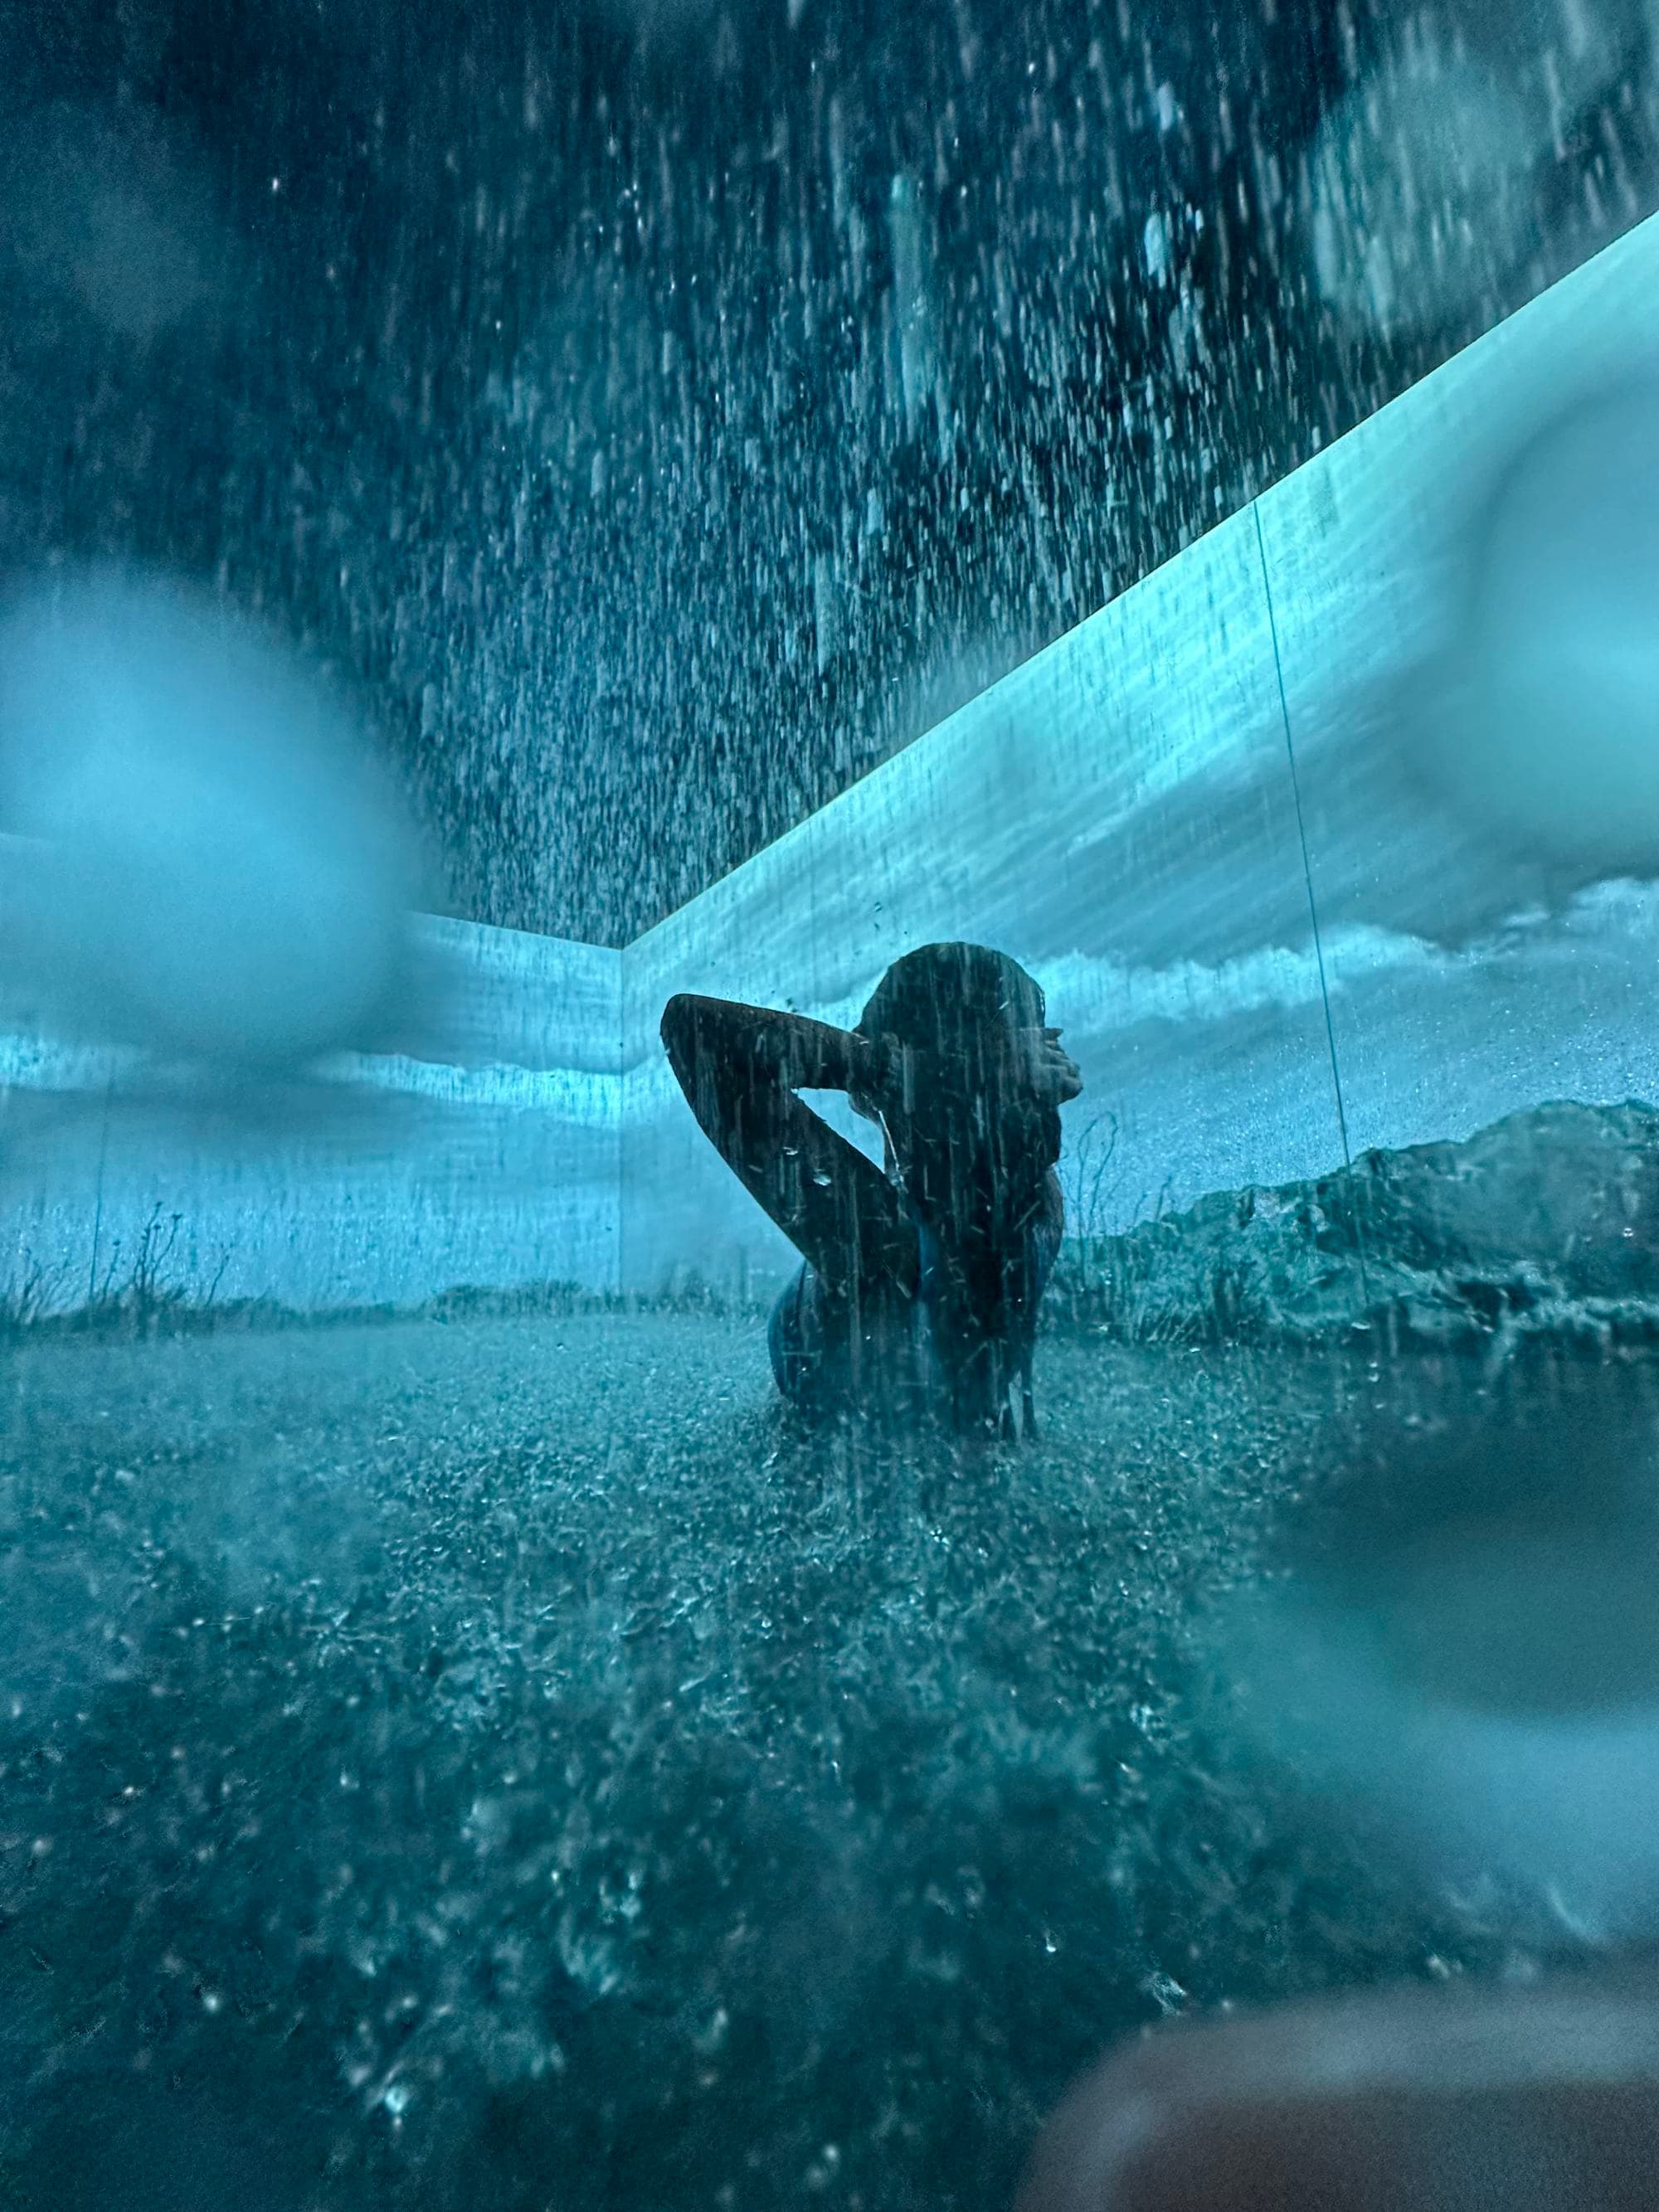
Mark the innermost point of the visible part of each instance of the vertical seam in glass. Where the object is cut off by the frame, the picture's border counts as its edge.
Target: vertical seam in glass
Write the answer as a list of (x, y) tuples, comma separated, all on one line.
[(1302, 835), (1313, 906)]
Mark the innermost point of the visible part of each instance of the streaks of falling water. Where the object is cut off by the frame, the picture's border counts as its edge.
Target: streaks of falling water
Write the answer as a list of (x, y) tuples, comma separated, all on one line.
[(557, 418)]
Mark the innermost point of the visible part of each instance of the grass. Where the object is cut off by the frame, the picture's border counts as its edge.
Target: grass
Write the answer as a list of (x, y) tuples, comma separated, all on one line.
[(505, 1763)]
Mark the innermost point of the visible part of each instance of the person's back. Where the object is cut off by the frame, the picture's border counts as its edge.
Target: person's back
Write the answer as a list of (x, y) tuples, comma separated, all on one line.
[(921, 1282)]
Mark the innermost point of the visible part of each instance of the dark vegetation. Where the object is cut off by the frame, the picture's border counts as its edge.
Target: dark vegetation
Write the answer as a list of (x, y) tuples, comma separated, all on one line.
[(503, 1766), (148, 1297), (1545, 1224)]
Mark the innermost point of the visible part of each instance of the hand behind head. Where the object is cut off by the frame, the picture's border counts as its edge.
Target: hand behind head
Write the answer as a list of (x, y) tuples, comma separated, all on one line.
[(1054, 1077)]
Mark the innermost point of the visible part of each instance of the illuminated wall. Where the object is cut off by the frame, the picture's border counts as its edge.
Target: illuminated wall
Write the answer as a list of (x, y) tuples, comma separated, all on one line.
[(1121, 814), (486, 1152), (1465, 981)]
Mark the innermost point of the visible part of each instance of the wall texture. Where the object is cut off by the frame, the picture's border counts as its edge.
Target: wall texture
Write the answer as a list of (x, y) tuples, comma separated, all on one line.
[(485, 1150)]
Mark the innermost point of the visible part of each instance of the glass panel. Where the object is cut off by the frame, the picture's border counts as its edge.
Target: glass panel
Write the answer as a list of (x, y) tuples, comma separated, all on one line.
[(1118, 813)]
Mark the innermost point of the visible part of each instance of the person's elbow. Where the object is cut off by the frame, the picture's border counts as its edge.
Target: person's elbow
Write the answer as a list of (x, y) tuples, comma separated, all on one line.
[(677, 1029)]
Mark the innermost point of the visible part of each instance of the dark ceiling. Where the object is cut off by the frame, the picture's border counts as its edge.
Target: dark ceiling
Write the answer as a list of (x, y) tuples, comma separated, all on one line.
[(656, 413)]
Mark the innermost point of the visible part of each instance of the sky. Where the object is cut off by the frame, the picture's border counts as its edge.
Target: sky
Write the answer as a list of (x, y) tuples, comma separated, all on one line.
[(648, 417)]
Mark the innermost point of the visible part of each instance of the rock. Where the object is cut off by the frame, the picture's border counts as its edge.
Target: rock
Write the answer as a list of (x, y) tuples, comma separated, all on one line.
[(1547, 1222)]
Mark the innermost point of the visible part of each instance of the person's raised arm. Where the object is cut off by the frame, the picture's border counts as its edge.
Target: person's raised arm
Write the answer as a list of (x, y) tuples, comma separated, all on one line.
[(740, 1068), (741, 1047)]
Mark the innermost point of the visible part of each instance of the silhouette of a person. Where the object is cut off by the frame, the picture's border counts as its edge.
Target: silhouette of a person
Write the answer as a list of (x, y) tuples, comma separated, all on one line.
[(921, 1278)]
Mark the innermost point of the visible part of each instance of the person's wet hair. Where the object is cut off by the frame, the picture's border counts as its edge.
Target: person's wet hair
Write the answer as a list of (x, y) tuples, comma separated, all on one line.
[(921, 1276), (941, 999)]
